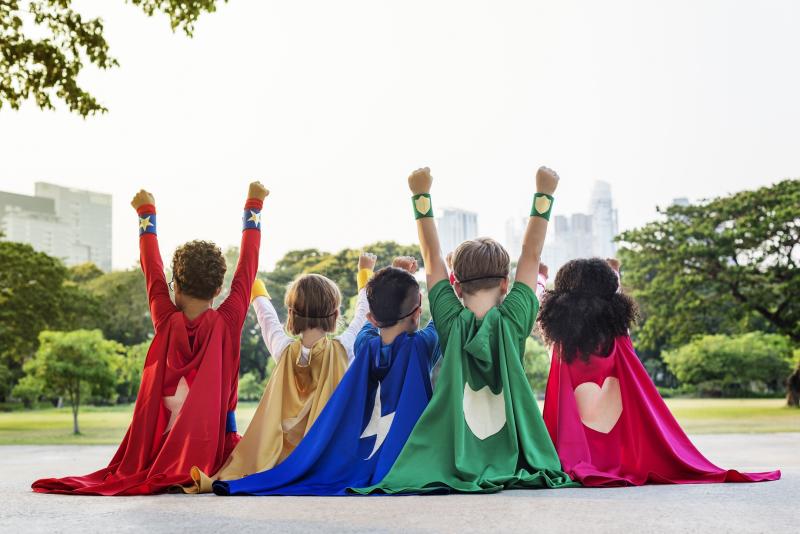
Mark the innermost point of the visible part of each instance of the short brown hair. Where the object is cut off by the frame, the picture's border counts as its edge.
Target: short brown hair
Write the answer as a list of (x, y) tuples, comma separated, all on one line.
[(312, 301), (480, 263), (198, 268)]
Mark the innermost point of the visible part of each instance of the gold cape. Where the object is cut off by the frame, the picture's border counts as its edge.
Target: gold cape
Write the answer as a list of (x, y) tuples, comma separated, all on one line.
[(293, 399)]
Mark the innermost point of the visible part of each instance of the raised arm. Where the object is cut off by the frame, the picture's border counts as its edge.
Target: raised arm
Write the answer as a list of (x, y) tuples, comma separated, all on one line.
[(161, 305), (234, 309), (272, 332), (366, 266), (420, 184), (528, 264)]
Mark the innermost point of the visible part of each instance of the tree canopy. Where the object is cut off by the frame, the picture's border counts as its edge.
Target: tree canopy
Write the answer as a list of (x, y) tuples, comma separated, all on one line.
[(45, 45), (727, 265)]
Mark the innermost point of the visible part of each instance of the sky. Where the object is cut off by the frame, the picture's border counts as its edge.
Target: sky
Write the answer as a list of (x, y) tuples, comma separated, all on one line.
[(332, 104)]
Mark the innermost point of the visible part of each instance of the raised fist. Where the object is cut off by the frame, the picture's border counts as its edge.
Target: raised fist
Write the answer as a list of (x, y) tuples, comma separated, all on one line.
[(257, 190), (367, 261), (407, 263), (546, 180), (141, 198), (420, 181)]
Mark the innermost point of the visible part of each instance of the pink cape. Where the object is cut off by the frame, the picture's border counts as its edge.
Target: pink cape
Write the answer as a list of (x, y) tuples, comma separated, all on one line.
[(645, 445)]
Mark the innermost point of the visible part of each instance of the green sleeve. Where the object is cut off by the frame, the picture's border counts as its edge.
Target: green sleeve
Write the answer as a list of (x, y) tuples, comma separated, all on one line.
[(445, 308), (519, 309)]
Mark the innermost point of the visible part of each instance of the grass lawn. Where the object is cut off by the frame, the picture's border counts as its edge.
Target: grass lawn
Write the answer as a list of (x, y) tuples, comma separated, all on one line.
[(107, 425)]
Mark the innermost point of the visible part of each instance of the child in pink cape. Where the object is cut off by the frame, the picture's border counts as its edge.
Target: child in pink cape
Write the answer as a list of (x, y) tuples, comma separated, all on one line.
[(608, 422)]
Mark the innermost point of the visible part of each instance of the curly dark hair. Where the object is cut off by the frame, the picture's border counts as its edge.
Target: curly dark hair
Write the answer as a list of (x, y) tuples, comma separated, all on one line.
[(391, 293), (584, 313), (198, 269)]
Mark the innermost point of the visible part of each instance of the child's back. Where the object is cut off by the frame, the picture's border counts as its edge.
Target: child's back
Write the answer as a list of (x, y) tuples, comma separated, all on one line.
[(605, 416), (482, 430), (184, 413)]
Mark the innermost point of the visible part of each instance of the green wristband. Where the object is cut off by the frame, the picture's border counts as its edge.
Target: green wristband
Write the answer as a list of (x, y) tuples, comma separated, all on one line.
[(422, 205), (542, 206)]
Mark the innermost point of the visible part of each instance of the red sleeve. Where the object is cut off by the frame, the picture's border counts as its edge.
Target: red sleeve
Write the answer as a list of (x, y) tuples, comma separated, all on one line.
[(234, 309), (161, 305)]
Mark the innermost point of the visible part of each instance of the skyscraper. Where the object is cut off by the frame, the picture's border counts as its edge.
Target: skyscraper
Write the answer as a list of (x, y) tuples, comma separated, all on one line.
[(70, 224), (456, 226), (604, 221), (582, 235)]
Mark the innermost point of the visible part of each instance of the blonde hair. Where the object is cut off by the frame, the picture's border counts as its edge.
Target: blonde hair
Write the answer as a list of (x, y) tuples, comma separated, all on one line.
[(480, 263), (312, 301)]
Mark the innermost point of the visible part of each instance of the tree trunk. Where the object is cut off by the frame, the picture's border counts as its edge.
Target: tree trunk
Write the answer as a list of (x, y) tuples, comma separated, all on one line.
[(76, 400), (793, 389)]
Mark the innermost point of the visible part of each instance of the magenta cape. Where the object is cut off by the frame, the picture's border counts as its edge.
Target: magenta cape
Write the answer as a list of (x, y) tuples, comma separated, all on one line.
[(641, 444)]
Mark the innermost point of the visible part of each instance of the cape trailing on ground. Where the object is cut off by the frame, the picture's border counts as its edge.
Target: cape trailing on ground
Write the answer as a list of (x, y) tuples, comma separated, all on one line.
[(482, 430), (183, 414), (612, 428), (359, 434)]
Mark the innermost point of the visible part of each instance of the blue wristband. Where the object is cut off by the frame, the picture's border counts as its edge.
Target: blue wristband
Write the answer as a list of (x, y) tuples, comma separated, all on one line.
[(251, 220), (147, 224)]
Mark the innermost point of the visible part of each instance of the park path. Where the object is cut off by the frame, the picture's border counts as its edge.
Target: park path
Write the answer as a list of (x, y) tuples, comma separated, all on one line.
[(765, 507)]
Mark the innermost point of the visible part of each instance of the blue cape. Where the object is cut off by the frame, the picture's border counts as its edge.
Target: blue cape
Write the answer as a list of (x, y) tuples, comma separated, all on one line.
[(357, 437)]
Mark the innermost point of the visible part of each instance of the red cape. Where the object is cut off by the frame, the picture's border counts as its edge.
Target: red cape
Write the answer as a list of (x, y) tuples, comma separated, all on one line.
[(196, 362), (645, 445), (148, 459)]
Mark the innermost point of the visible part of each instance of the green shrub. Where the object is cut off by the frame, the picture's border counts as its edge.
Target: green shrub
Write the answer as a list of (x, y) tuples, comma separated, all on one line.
[(753, 364)]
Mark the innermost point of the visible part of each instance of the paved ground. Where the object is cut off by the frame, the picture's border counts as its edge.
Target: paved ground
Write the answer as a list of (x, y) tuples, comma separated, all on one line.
[(766, 507)]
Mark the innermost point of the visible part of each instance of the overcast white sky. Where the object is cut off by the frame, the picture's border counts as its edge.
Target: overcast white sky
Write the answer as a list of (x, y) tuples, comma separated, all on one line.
[(332, 103)]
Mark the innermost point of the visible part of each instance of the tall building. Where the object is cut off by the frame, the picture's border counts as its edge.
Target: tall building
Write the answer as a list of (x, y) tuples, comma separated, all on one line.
[(583, 235), (604, 221), (70, 224), (456, 226)]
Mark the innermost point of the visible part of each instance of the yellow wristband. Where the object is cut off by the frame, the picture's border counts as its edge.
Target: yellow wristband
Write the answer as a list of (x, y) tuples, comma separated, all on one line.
[(259, 290), (363, 277)]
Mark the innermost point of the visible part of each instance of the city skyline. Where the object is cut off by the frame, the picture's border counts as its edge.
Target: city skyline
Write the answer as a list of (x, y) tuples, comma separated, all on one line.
[(334, 129)]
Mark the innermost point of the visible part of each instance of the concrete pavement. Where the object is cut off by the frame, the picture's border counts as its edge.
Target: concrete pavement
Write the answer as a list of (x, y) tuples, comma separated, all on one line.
[(764, 507)]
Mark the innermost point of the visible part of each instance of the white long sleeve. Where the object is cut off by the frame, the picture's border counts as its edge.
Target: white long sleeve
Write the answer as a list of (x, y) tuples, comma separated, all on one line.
[(348, 337), (275, 337)]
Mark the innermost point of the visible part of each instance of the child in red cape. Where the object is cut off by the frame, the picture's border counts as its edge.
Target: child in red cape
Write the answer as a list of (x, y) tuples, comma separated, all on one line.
[(605, 416), (184, 412)]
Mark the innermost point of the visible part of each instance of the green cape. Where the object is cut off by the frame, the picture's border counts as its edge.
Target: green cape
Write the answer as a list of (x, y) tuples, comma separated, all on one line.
[(482, 392)]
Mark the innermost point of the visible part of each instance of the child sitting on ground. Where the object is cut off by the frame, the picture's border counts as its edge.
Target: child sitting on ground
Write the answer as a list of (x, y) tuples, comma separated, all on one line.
[(308, 370), (184, 413), (482, 430), (605, 416)]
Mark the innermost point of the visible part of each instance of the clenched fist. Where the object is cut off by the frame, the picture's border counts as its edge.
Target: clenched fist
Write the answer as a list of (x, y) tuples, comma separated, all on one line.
[(420, 181), (141, 198), (258, 191), (367, 261), (407, 263), (546, 180)]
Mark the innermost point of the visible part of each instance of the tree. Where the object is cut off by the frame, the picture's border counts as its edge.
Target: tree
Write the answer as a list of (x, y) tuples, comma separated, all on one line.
[(45, 44), (128, 371), (728, 265), (251, 386), (29, 389), (537, 365), (122, 297), (34, 295), (730, 366), (75, 364), (84, 272)]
